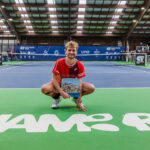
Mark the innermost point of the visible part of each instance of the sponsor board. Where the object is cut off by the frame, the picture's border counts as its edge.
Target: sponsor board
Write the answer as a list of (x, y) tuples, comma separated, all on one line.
[(141, 59)]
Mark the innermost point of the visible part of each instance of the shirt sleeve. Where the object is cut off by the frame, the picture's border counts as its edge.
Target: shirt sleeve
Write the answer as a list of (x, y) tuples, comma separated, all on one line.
[(56, 68), (81, 73)]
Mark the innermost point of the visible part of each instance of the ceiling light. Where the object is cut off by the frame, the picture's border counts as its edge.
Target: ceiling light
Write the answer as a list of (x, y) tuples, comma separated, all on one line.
[(53, 16), (31, 31), (82, 2), (80, 16), (143, 8), (10, 19), (51, 1), (78, 22), (81, 9), (27, 21), (3, 26), (119, 10), (79, 27), (122, 2), (79, 31), (54, 22), (111, 27), (29, 27), (116, 16), (113, 22), (52, 9), (55, 31), (54, 27), (19, 1), (108, 32)]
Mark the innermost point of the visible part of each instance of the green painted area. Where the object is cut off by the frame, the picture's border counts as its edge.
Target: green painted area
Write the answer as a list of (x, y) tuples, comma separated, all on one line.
[(131, 63), (116, 102), (13, 62), (115, 62)]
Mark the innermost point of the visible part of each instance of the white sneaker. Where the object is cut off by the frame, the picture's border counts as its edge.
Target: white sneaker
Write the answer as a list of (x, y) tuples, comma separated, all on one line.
[(55, 103)]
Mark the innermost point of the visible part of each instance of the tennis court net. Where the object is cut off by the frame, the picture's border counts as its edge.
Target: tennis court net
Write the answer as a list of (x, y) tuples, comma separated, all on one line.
[(44, 59)]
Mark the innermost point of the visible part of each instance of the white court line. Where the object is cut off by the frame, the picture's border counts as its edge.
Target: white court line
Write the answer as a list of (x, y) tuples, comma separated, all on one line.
[(39, 72), (9, 68), (117, 72), (96, 88), (131, 68), (125, 88)]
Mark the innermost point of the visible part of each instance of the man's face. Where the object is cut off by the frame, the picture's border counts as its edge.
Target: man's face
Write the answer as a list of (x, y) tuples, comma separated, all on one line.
[(71, 52)]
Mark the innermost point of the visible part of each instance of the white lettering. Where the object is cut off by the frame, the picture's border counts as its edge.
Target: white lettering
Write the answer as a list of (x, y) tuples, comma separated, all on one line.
[(141, 121), (31, 125), (134, 120), (105, 127), (85, 52)]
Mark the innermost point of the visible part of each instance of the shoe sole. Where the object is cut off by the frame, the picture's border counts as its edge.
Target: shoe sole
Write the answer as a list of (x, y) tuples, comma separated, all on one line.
[(54, 107)]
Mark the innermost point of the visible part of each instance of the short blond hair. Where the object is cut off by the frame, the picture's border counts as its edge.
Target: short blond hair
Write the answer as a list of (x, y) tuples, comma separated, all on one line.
[(72, 44)]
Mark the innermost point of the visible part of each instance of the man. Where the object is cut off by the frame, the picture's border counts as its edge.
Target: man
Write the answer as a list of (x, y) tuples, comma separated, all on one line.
[(68, 67), (146, 49)]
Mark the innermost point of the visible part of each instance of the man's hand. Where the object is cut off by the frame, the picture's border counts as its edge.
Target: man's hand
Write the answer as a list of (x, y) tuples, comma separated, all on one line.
[(81, 107), (64, 94)]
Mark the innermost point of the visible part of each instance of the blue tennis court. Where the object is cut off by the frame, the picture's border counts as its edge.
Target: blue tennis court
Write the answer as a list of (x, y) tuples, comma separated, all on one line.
[(101, 74)]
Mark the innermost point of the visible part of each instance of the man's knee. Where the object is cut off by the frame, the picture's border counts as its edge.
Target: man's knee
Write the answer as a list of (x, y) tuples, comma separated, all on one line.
[(88, 88), (44, 89), (48, 90), (92, 88)]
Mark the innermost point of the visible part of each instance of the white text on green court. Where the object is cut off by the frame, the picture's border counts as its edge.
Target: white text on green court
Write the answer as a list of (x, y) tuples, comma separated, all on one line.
[(99, 122)]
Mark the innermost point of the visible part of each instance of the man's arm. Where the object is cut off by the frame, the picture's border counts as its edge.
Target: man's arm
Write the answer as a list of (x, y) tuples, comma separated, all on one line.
[(59, 89)]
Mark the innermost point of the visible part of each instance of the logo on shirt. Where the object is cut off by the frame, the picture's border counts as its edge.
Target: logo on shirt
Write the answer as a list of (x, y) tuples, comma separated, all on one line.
[(75, 69)]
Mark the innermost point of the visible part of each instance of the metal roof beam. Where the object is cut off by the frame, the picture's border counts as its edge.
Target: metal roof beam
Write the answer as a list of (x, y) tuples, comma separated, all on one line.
[(8, 22), (139, 35), (64, 29), (71, 12), (74, 24), (66, 5), (69, 20), (138, 18), (64, 19), (64, 35)]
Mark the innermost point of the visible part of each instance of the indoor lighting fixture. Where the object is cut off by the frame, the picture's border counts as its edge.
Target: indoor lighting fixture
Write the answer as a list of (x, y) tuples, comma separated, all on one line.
[(83, 2)]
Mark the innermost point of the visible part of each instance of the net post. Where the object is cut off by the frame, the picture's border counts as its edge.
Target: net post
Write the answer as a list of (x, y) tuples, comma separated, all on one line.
[(127, 57), (145, 59), (0, 54), (0, 59)]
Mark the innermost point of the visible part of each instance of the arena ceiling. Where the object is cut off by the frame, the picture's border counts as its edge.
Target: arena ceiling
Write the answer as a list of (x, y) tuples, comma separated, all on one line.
[(121, 18)]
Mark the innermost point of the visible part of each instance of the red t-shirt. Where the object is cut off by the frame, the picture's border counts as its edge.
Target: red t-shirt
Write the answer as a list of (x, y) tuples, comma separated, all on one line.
[(65, 71)]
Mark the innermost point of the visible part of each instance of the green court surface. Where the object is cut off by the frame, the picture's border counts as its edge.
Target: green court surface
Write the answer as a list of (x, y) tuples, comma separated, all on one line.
[(111, 102), (131, 63), (13, 62)]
